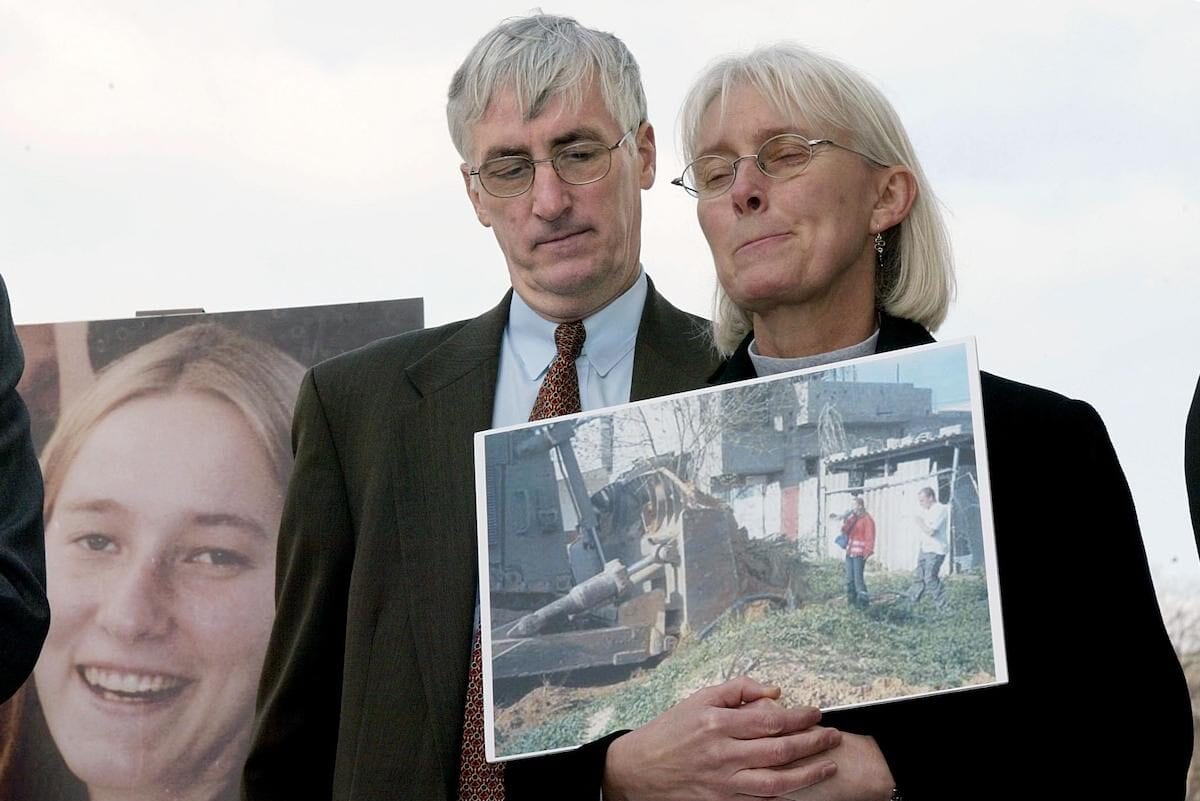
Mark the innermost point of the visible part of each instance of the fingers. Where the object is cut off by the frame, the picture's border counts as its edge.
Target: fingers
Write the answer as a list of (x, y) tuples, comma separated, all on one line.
[(760, 783), (735, 692), (764, 718), (782, 751), (718, 744)]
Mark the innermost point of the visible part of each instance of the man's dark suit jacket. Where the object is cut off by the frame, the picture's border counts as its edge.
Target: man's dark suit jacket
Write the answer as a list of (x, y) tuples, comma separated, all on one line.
[(24, 613), (1096, 705), (365, 679)]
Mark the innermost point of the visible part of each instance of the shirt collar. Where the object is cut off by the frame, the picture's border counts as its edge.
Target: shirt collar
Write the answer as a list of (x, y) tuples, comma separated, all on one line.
[(611, 332)]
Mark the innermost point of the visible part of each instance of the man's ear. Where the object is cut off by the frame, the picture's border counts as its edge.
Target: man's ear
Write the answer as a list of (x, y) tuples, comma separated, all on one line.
[(473, 190), (647, 154), (897, 191)]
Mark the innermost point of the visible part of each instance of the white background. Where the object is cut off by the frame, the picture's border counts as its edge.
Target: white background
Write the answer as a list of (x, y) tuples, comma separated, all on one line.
[(237, 155)]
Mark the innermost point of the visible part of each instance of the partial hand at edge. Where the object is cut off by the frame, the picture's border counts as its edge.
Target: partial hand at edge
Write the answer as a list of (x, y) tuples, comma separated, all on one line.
[(729, 741)]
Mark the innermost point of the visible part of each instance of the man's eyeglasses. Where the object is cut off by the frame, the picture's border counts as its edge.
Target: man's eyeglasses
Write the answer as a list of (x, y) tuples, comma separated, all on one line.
[(578, 164), (783, 156)]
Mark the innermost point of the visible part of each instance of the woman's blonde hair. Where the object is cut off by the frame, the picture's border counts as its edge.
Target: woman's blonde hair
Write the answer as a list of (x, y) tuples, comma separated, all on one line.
[(916, 280), (258, 379)]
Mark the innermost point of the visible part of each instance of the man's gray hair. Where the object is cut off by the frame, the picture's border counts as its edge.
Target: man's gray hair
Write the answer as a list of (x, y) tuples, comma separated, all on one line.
[(541, 57), (917, 279)]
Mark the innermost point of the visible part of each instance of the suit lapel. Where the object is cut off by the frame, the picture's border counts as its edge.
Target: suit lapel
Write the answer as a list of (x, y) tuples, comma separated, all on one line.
[(434, 488), (672, 352)]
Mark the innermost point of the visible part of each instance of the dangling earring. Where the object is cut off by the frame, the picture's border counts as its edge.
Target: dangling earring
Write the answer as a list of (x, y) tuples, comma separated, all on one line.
[(879, 249)]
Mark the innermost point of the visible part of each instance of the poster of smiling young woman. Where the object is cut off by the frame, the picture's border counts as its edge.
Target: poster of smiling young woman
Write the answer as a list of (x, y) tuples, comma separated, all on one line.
[(165, 450)]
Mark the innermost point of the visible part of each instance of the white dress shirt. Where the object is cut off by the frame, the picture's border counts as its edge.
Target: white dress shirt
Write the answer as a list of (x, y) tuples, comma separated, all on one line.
[(605, 367)]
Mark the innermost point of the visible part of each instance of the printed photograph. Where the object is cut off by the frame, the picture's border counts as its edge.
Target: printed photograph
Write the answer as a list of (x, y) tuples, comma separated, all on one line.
[(165, 449), (828, 531)]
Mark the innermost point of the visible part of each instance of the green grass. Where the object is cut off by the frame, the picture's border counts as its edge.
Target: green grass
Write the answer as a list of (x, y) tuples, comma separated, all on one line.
[(922, 646), (565, 730)]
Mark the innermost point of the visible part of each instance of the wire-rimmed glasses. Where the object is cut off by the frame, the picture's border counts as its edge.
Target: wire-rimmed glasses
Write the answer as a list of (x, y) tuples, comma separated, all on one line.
[(783, 156), (577, 164)]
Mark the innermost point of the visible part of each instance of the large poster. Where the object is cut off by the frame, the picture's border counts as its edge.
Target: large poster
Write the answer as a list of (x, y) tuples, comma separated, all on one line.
[(165, 449)]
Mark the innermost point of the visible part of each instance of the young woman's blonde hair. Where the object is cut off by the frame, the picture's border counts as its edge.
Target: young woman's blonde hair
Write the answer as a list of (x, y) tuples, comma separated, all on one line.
[(259, 380)]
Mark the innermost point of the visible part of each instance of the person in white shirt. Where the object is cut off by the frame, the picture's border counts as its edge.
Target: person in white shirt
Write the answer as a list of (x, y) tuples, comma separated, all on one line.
[(933, 520)]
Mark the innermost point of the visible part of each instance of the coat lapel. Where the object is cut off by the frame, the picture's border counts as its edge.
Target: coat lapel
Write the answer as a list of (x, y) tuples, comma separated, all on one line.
[(673, 353), (434, 487)]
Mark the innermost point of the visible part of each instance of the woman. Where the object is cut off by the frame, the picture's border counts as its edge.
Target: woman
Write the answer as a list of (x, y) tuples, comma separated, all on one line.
[(828, 245), (164, 487)]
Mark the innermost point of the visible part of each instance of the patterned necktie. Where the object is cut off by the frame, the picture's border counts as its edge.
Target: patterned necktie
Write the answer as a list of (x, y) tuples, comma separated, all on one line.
[(560, 389), (478, 779)]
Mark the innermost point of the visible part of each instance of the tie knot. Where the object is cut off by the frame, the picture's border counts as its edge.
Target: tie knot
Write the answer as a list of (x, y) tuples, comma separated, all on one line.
[(568, 338)]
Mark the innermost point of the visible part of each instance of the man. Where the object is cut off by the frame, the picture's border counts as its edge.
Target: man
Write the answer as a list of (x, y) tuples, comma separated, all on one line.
[(859, 528), (366, 682), (24, 613), (933, 521)]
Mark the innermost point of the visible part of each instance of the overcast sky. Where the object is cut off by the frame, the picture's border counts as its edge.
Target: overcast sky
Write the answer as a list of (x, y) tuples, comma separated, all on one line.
[(237, 155)]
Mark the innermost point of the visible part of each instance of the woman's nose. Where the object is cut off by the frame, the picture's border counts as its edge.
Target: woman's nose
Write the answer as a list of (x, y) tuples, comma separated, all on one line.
[(137, 602), (749, 191)]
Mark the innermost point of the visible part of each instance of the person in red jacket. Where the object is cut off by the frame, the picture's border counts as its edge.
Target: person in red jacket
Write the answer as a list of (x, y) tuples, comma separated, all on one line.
[(859, 528)]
